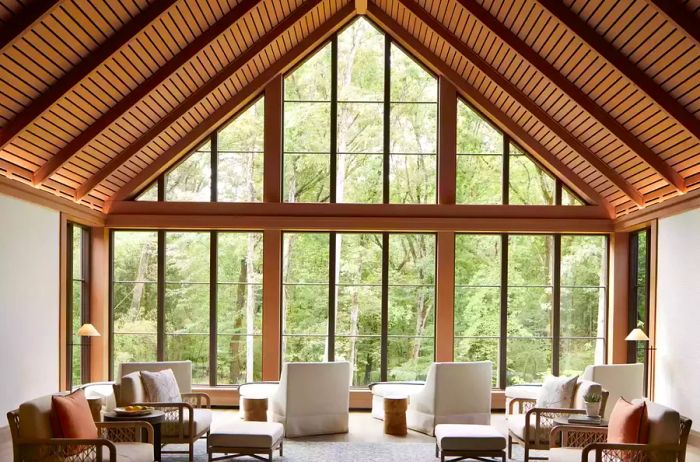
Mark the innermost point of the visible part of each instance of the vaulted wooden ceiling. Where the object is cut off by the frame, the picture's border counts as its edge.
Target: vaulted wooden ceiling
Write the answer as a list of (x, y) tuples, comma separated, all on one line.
[(98, 95)]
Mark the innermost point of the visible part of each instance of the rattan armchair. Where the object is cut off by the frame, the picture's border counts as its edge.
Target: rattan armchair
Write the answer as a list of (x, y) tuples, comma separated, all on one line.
[(115, 440), (530, 426)]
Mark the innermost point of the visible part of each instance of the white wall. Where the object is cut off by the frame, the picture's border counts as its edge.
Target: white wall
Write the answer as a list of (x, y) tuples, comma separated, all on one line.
[(678, 315), (29, 302)]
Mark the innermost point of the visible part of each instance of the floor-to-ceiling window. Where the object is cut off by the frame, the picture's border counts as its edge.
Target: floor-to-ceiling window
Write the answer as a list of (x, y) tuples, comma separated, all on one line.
[(78, 304), (638, 314)]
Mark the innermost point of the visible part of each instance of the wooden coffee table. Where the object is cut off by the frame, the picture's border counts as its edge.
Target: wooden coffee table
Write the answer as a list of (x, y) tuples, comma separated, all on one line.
[(395, 415), (155, 418)]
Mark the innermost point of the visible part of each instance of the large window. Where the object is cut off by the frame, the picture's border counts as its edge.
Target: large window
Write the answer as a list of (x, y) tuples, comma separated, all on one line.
[(78, 305), (532, 304), (360, 123), (638, 315), (367, 298), (189, 296)]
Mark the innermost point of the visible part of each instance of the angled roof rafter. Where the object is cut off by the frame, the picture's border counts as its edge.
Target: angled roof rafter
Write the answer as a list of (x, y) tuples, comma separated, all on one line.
[(239, 102), (511, 90), (141, 91), (31, 14), (483, 104), (683, 18), (620, 62), (76, 74), (571, 90)]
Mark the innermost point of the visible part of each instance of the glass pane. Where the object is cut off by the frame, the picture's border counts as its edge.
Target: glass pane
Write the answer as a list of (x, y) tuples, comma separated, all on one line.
[(411, 259), (360, 127), (530, 259), (360, 178), (150, 194), (479, 179), (240, 177), (77, 253), (583, 260), (569, 198), (239, 359), (77, 307), (361, 63), (413, 128), (582, 312), (411, 311), (134, 309), (307, 127), (187, 347), (409, 358), (312, 80), (412, 179), (239, 257), (478, 349), (187, 257), (245, 133), (477, 312), (478, 260), (360, 258), (305, 309), (642, 258), (76, 364), (133, 348), (530, 312), (576, 354), (529, 360), (409, 80), (187, 308), (528, 183), (191, 179), (359, 311), (475, 135), (135, 256), (304, 349), (239, 309), (363, 354), (305, 258), (307, 177)]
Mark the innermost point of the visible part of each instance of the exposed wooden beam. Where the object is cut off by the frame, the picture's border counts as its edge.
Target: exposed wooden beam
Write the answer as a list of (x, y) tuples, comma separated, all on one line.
[(478, 100), (22, 22), (141, 91), (684, 18), (65, 83), (672, 206), (623, 64), (570, 89), (166, 159), (513, 91)]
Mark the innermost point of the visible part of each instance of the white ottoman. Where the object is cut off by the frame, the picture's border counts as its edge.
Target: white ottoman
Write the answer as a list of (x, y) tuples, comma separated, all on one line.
[(245, 439), (468, 442)]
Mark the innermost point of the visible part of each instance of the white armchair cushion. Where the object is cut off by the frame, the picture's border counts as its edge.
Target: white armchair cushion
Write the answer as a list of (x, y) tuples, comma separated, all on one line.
[(620, 381), (557, 392), (312, 398)]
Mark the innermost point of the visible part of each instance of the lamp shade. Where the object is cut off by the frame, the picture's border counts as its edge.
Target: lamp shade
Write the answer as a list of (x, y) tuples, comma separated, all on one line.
[(88, 330), (637, 335)]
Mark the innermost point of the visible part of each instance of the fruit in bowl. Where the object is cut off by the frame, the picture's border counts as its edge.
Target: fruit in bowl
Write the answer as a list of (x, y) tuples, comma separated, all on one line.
[(135, 408)]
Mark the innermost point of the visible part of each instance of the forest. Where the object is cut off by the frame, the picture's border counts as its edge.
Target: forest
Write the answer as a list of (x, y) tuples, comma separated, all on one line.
[(357, 131)]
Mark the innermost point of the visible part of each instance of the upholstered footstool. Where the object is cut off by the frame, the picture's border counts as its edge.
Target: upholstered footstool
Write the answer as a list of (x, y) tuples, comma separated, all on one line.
[(245, 439), (468, 442)]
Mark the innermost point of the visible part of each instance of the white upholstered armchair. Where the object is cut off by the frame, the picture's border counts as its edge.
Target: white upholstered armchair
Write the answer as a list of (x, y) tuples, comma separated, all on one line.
[(620, 380), (452, 393)]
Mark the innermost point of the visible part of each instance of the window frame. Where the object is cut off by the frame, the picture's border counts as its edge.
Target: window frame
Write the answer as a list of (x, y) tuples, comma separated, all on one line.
[(85, 268), (633, 318)]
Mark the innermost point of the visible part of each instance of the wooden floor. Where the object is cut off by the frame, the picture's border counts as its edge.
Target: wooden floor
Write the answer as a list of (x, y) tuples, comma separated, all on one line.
[(363, 428)]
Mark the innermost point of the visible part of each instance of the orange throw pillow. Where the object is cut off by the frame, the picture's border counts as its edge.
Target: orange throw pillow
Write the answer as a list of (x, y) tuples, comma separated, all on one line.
[(72, 417), (628, 422)]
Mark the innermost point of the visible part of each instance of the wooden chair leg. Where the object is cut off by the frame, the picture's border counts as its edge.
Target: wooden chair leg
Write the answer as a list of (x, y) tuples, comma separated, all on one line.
[(281, 448), (510, 447), (527, 453), (191, 454)]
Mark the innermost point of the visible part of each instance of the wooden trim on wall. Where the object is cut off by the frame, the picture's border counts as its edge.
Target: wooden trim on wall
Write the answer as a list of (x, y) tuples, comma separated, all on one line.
[(618, 305), (63, 304), (272, 304), (445, 297), (74, 212), (272, 179), (653, 275), (447, 142), (99, 303)]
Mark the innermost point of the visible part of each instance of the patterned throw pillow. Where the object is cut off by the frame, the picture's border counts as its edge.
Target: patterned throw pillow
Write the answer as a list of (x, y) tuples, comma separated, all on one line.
[(557, 392), (161, 387)]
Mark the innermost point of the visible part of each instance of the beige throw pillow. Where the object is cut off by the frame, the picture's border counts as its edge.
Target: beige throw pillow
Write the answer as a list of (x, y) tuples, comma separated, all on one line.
[(557, 392), (161, 387)]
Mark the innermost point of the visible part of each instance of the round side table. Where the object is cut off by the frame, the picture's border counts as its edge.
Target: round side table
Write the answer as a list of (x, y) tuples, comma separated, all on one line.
[(395, 415), (155, 418), (255, 409)]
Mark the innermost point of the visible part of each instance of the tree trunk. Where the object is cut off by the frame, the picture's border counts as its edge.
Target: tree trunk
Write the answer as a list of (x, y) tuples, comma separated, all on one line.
[(239, 304), (354, 328), (139, 285), (250, 311)]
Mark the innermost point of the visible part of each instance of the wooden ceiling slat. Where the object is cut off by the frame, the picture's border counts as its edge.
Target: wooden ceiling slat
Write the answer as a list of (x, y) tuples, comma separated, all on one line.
[(245, 95), (146, 87), (200, 93), (514, 92), (32, 13), (681, 16), (77, 73), (623, 65), (572, 91)]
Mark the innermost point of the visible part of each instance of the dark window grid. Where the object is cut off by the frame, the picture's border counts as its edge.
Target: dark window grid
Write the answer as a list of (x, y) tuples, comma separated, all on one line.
[(357, 336), (541, 337), (134, 282), (229, 151), (319, 153), (535, 286), (182, 334), (481, 154), (581, 338), (355, 101), (477, 286), (227, 283), (494, 337), (348, 284), (134, 333)]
